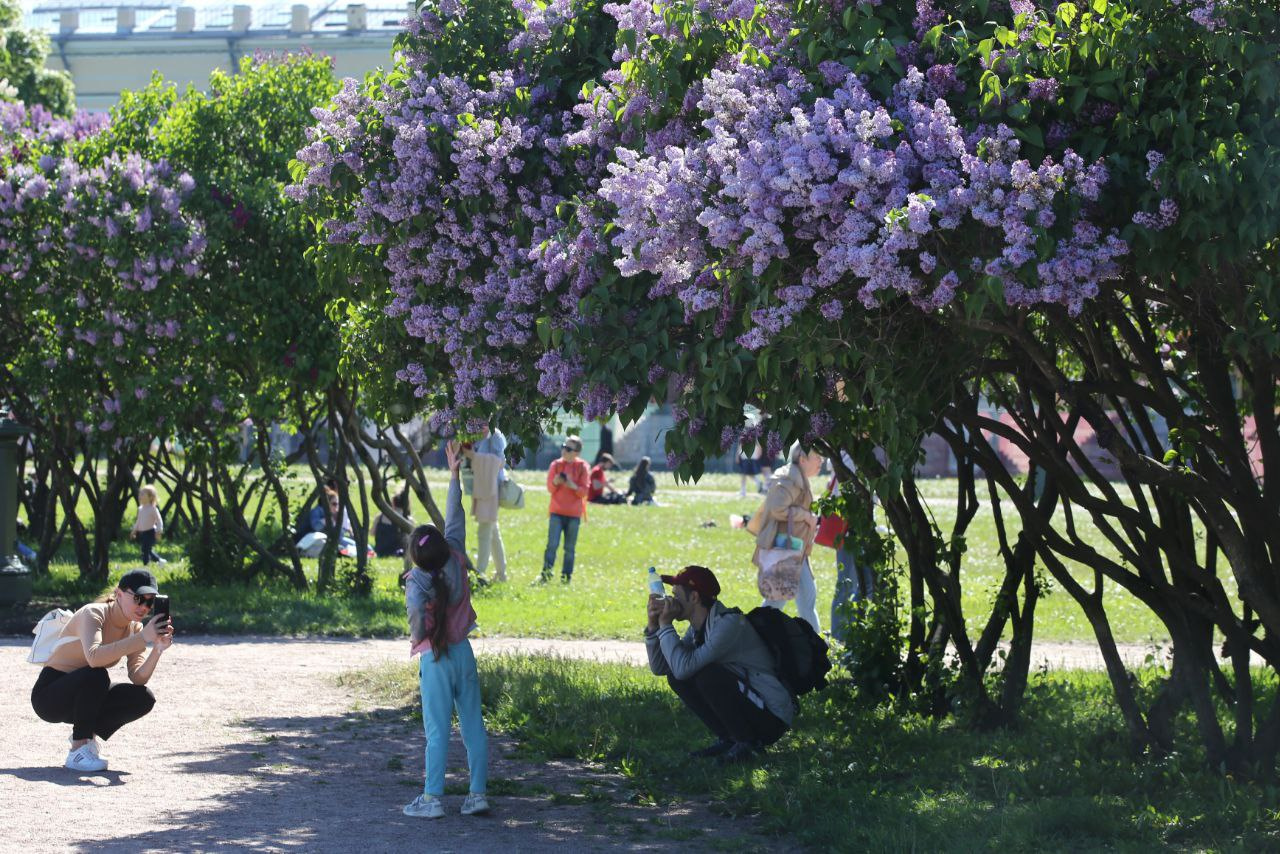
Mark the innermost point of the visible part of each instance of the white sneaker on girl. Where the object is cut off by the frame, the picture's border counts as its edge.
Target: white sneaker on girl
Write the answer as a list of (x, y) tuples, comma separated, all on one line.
[(425, 806), (475, 804)]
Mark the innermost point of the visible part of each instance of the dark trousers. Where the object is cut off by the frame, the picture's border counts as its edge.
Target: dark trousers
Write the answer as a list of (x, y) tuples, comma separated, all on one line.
[(87, 700), (728, 707), (147, 540)]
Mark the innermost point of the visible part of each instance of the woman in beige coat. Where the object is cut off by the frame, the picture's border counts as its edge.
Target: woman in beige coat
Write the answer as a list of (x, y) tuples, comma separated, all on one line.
[(789, 496), (486, 469)]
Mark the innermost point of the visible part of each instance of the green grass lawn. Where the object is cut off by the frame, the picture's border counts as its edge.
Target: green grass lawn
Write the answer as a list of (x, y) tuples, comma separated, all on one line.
[(849, 778), (616, 546)]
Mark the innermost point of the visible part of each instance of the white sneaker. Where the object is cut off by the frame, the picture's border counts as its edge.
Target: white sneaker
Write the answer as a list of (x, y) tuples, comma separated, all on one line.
[(475, 804), (85, 758), (425, 806)]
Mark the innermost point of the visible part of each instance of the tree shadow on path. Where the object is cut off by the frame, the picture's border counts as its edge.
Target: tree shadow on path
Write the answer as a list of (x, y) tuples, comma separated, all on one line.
[(338, 782)]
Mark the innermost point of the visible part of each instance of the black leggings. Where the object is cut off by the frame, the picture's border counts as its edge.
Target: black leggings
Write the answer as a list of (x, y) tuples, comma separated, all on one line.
[(87, 700), (720, 699), (147, 540)]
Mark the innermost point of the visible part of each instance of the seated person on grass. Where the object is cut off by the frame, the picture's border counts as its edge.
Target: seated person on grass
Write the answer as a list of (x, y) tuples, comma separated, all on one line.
[(642, 485), (600, 490), (721, 669)]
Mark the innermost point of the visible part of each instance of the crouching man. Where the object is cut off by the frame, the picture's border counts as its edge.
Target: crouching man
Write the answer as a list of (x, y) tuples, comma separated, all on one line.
[(720, 669)]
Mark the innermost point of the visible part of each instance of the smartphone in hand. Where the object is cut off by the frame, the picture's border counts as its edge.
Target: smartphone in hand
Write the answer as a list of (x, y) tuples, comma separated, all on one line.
[(161, 609)]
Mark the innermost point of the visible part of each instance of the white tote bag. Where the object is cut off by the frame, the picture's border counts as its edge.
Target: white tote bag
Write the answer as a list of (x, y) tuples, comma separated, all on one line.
[(47, 633)]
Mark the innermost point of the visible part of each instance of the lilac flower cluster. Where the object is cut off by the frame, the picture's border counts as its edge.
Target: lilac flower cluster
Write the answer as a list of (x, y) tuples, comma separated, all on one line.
[(20, 122), (540, 19), (778, 173), (1206, 13)]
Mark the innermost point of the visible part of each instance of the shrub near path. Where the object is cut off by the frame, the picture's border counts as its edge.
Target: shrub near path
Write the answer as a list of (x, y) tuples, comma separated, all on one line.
[(254, 745)]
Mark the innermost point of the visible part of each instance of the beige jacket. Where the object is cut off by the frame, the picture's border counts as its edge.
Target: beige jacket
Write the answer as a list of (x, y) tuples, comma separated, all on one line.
[(484, 490), (788, 492)]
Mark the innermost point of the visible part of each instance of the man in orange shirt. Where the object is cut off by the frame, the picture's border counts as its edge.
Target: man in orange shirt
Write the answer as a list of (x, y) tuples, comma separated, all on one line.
[(567, 480)]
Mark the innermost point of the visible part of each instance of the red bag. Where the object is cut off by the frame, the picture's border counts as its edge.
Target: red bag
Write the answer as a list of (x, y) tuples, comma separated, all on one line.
[(831, 529)]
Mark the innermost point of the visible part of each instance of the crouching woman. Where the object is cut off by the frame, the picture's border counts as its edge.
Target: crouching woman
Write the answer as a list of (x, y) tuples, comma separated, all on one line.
[(75, 688)]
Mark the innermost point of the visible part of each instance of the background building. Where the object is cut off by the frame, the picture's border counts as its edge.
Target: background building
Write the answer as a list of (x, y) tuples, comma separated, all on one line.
[(110, 47)]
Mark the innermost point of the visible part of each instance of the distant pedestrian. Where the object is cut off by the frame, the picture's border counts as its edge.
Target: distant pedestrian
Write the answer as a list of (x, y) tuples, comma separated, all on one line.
[(855, 582), (568, 480), (438, 602), (642, 487), (748, 462), (488, 534), (149, 526)]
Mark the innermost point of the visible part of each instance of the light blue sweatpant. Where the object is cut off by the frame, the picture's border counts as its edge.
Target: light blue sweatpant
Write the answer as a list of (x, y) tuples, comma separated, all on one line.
[(452, 682)]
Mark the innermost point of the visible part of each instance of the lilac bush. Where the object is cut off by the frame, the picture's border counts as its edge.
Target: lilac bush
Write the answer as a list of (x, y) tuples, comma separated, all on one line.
[(845, 197), (93, 255), (465, 194)]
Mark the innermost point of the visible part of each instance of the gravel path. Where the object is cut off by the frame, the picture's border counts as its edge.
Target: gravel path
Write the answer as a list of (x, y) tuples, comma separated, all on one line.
[(252, 747)]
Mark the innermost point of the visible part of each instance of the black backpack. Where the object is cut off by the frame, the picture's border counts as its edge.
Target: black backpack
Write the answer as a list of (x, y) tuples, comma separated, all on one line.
[(799, 654)]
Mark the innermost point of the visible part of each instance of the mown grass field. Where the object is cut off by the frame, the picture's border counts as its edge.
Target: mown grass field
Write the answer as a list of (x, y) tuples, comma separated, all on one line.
[(605, 600)]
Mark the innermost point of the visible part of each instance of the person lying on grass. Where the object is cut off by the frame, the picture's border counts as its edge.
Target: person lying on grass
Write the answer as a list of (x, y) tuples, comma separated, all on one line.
[(721, 669)]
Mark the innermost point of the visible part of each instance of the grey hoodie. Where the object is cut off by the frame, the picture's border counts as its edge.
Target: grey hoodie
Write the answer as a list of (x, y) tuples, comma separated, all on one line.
[(418, 592), (730, 641)]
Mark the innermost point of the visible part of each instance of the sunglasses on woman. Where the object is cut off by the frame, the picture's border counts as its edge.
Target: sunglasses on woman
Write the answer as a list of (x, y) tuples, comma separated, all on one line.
[(147, 599)]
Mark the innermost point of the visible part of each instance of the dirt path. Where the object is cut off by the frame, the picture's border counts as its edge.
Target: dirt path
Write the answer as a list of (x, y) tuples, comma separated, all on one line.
[(251, 747), (1053, 656)]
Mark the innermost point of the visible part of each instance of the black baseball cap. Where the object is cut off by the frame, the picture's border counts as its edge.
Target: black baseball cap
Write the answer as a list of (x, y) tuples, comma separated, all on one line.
[(138, 581)]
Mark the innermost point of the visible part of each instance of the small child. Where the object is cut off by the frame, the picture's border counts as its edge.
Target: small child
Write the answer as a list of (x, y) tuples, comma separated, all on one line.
[(149, 526), (438, 600)]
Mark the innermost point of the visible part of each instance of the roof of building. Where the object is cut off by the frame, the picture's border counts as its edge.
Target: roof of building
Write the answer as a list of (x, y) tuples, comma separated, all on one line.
[(210, 18)]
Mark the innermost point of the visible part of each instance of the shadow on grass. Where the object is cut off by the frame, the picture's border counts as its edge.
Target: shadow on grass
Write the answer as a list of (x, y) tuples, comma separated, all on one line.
[(854, 778)]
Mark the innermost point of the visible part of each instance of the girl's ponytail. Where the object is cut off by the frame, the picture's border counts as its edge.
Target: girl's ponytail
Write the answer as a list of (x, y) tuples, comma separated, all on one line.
[(439, 614), (430, 552)]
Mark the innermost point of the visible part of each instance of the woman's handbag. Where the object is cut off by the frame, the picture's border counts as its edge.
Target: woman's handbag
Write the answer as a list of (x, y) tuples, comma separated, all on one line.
[(831, 531), (831, 528), (510, 495), (779, 570)]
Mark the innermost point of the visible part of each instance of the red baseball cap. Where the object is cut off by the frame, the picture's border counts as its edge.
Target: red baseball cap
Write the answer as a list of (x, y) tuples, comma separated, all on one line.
[(697, 578)]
